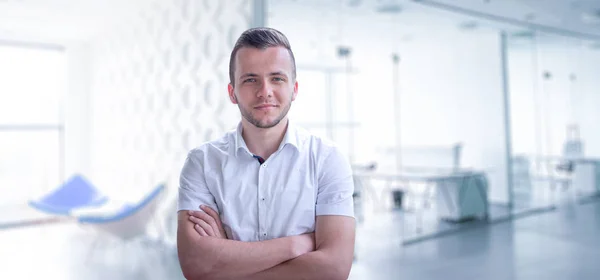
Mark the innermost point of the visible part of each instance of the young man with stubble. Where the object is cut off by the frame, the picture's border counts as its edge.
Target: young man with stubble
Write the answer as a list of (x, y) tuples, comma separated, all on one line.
[(267, 200)]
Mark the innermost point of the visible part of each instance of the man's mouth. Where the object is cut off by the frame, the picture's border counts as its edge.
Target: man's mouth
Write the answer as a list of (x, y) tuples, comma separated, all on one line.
[(265, 106)]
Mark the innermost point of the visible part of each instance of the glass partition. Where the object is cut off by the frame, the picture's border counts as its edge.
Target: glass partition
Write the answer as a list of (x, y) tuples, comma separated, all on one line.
[(420, 110), (552, 95)]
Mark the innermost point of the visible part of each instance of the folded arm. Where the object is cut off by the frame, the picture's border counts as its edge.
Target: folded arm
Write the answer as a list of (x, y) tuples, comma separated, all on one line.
[(332, 258), (204, 256), (207, 257), (334, 228), (204, 252)]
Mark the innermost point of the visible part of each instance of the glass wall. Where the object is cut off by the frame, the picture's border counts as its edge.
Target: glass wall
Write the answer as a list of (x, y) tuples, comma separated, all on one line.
[(553, 93), (417, 100)]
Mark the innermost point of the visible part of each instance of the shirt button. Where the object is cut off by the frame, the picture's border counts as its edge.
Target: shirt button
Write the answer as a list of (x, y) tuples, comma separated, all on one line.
[(264, 165), (263, 199)]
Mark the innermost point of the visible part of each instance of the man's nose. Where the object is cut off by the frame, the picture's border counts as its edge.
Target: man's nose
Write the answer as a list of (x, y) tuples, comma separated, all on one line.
[(265, 90)]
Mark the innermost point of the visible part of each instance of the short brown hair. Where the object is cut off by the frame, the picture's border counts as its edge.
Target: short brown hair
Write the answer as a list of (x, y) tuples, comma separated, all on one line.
[(260, 38)]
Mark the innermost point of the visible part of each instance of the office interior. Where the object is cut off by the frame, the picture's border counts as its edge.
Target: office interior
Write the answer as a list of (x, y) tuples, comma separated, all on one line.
[(471, 127)]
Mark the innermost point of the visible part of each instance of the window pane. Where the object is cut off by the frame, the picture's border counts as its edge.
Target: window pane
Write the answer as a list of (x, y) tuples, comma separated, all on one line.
[(308, 109), (29, 164), (32, 83)]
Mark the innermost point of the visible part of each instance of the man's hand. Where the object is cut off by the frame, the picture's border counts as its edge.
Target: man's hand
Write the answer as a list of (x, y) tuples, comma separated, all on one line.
[(203, 257), (331, 260), (207, 222), (303, 244)]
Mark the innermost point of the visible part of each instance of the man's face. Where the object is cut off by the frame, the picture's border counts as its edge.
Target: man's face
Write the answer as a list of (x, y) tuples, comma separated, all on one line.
[(264, 88)]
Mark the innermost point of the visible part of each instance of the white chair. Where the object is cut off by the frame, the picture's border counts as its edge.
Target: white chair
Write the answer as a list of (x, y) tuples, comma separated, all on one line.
[(125, 223)]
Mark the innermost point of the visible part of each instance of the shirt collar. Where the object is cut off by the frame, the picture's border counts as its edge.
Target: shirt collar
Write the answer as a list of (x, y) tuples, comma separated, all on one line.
[(290, 137)]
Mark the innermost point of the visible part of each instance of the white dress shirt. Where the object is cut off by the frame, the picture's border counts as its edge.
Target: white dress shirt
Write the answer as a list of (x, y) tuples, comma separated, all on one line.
[(306, 177)]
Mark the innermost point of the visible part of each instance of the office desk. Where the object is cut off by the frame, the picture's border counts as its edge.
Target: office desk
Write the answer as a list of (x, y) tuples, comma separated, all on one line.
[(460, 195), (585, 177)]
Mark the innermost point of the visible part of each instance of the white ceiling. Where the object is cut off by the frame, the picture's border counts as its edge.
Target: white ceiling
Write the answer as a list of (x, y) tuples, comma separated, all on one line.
[(558, 22), (577, 17), (60, 21), (571, 16)]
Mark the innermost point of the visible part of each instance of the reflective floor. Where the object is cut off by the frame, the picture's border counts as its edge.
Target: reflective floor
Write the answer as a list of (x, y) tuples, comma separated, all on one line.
[(560, 244)]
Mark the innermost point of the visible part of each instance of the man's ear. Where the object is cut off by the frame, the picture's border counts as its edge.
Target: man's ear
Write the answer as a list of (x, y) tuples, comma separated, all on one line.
[(295, 92), (231, 91)]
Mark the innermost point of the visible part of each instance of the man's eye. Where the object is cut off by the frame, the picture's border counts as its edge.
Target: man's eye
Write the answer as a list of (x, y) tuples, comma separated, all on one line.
[(278, 79), (251, 80)]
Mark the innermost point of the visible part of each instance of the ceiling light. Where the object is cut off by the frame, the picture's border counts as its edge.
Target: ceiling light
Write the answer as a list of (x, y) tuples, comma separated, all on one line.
[(389, 7), (354, 3), (530, 17), (407, 38), (468, 25), (523, 34)]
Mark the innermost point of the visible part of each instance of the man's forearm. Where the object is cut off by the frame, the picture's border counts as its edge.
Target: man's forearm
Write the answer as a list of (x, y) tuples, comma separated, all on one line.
[(213, 258), (314, 265)]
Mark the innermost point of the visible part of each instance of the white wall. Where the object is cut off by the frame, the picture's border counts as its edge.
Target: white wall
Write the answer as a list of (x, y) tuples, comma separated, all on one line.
[(77, 111), (159, 89)]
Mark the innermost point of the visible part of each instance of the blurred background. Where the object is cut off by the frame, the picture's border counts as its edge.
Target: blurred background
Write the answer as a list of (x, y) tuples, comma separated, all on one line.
[(471, 126)]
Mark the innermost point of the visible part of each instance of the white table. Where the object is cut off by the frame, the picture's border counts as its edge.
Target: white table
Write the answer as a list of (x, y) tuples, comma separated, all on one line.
[(586, 177), (460, 195)]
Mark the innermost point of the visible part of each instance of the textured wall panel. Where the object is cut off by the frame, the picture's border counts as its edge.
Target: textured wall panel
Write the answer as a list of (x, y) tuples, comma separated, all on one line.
[(159, 89)]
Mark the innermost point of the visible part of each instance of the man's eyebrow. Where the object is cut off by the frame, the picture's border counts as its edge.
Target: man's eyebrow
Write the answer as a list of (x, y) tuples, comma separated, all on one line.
[(248, 75), (277, 73)]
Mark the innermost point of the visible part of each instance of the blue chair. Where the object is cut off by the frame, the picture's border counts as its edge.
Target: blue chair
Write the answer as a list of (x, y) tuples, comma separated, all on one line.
[(75, 193), (125, 221)]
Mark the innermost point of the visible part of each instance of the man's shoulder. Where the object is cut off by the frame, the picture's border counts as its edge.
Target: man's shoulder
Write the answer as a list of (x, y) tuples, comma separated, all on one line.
[(221, 144), (315, 143), (326, 155)]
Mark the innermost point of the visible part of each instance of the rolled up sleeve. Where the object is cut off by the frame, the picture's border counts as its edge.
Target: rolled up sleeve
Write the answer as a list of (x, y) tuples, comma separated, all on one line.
[(193, 190), (336, 186)]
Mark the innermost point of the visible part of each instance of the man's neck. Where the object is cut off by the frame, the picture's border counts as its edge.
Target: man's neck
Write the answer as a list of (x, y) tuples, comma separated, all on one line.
[(264, 142)]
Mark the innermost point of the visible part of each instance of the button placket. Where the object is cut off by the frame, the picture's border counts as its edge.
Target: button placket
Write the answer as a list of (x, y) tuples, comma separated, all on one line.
[(261, 205)]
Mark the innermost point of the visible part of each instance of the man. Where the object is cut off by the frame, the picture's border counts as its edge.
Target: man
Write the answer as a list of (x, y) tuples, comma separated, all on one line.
[(268, 200)]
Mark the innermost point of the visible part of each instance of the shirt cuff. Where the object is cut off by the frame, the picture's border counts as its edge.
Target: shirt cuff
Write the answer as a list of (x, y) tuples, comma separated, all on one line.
[(189, 200), (342, 208)]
